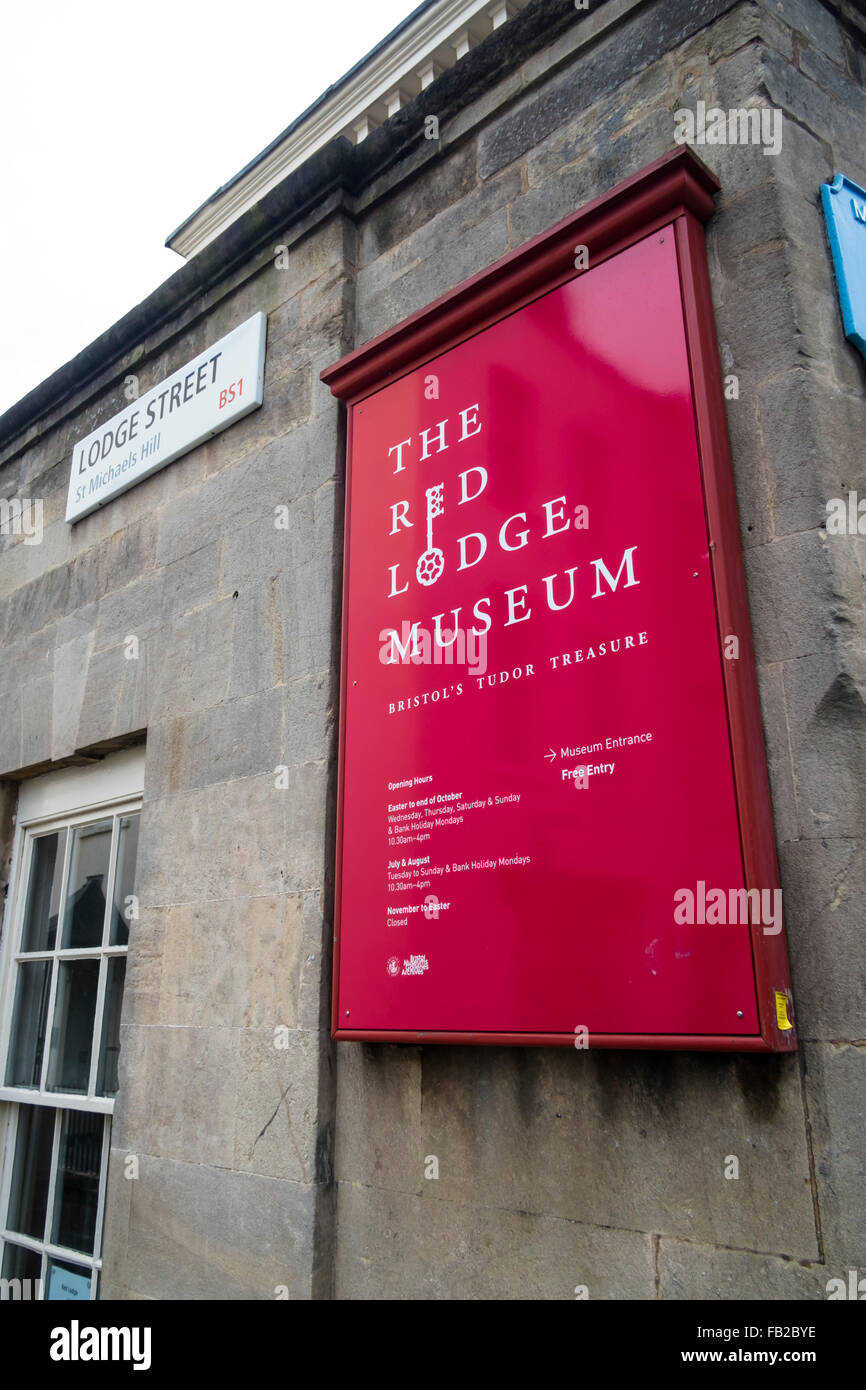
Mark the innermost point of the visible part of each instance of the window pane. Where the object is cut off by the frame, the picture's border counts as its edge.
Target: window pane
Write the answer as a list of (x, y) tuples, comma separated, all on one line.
[(72, 1030), (67, 1281), (109, 1050), (77, 1192), (124, 878), (24, 1265), (29, 1020), (31, 1171), (88, 882), (43, 892)]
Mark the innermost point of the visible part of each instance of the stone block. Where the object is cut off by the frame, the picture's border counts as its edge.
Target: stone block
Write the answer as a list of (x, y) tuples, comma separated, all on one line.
[(257, 648), (448, 227), (612, 157), (600, 1137), (40, 603), (199, 516), (118, 1205), (120, 559), (282, 324), (832, 78), (234, 447), (747, 447), (694, 1271), (199, 1232), (45, 473), (324, 312), (395, 1245), (810, 430), (770, 340), (192, 661), (819, 112), (235, 839), (180, 1092), (144, 964), (814, 23), (277, 1120), (134, 611), (748, 222), (824, 883), (276, 942), (192, 581), (638, 42), (836, 1089), (289, 399), (79, 623), (748, 21), (305, 605), (779, 766), (790, 588), (31, 657), (37, 706), (232, 963), (116, 695), (374, 1079), (287, 353), (71, 663), (825, 719), (314, 975), (288, 468), (10, 731), (593, 132), (309, 727), (310, 256), (239, 738), (588, 25), (440, 185), (22, 562), (431, 278), (308, 527)]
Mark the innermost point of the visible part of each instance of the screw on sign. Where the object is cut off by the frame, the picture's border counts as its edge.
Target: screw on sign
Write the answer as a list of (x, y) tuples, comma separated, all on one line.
[(432, 562)]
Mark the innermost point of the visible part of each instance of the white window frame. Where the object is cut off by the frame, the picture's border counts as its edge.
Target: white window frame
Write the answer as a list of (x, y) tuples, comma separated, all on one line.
[(57, 800)]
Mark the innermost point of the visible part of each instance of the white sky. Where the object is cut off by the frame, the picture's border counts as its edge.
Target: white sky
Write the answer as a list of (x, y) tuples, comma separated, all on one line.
[(116, 122)]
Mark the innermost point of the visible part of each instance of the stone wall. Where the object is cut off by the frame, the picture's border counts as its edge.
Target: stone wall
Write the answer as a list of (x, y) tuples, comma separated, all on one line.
[(302, 1165), (236, 678)]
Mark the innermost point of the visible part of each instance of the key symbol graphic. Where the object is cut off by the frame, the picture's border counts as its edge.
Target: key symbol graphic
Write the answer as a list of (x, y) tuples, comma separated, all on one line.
[(432, 562)]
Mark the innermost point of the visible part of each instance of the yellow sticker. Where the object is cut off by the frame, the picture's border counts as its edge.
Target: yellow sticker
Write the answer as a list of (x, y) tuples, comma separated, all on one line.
[(782, 1010)]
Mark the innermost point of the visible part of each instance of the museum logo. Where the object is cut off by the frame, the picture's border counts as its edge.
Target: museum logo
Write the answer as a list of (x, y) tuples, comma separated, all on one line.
[(413, 965)]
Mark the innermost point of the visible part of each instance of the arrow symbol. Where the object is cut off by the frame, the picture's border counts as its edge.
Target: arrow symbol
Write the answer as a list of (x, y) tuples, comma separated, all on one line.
[(549, 757)]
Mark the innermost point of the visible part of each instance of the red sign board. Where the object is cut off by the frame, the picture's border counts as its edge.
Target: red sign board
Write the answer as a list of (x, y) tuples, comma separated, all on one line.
[(543, 837)]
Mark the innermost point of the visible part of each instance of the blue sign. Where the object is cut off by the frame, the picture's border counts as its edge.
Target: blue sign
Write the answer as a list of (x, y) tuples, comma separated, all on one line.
[(845, 210), (64, 1284)]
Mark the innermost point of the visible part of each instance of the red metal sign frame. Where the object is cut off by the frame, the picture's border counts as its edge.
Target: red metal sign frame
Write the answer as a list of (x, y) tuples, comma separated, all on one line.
[(676, 190)]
